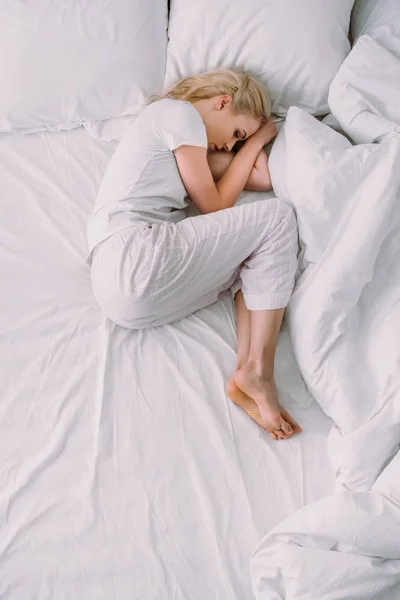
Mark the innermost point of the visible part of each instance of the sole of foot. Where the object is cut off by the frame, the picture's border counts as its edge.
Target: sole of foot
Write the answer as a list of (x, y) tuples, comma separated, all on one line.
[(248, 404)]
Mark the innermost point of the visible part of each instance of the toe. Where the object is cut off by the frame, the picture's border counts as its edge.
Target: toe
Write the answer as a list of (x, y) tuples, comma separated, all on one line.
[(295, 426), (286, 428)]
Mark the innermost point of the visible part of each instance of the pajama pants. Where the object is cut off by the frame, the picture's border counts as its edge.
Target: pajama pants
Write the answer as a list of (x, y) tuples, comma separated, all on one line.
[(153, 274)]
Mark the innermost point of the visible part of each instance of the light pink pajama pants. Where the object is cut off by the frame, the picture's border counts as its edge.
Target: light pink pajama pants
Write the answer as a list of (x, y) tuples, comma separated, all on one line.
[(150, 275)]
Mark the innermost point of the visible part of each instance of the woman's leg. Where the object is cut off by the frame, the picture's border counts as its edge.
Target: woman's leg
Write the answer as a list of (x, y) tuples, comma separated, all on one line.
[(242, 354), (162, 273), (259, 179), (256, 377), (243, 319), (252, 387), (265, 276)]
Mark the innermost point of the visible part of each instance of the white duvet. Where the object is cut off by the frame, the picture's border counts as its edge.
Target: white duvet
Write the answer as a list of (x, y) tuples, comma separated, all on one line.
[(344, 320)]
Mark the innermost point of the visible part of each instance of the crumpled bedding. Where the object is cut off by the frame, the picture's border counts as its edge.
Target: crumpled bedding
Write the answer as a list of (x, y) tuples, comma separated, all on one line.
[(344, 321)]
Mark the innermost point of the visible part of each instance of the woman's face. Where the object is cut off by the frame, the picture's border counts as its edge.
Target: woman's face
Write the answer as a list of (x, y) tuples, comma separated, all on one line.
[(225, 127)]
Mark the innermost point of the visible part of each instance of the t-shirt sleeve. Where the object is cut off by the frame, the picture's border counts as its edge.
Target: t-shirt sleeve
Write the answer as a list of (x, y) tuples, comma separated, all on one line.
[(179, 123)]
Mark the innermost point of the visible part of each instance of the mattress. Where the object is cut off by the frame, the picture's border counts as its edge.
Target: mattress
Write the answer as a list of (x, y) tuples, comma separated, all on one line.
[(126, 472)]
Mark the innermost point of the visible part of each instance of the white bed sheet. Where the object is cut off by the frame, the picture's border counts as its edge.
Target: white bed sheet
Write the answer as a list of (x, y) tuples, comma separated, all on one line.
[(125, 471)]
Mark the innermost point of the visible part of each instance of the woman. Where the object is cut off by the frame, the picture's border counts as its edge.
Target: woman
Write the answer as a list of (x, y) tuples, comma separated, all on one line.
[(151, 265)]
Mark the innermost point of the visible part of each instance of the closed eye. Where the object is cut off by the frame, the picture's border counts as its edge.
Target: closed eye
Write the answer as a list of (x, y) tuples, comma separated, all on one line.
[(240, 135)]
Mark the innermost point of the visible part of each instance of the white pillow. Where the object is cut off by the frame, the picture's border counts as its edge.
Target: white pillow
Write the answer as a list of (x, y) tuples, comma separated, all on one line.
[(365, 94), (295, 47), (318, 170), (380, 19), (65, 63)]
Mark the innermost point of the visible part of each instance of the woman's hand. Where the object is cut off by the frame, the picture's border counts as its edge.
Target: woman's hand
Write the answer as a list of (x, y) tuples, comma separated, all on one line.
[(265, 133)]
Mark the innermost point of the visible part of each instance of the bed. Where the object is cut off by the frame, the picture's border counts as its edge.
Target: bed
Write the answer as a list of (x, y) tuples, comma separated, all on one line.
[(126, 472)]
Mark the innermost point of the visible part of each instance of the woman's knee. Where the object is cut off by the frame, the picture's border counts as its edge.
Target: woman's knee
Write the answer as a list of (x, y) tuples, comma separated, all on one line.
[(286, 216), (284, 232), (279, 221), (274, 211)]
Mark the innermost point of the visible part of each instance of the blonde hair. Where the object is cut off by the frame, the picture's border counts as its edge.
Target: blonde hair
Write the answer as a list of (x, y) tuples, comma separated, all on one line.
[(249, 97)]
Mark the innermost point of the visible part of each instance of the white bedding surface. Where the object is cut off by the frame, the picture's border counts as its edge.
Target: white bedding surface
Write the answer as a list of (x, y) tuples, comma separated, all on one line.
[(125, 471)]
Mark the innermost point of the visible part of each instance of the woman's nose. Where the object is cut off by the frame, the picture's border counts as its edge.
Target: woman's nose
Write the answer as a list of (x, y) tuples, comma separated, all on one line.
[(229, 145)]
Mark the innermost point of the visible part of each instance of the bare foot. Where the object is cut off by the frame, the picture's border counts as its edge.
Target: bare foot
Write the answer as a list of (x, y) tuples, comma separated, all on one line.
[(246, 403), (250, 407), (258, 398)]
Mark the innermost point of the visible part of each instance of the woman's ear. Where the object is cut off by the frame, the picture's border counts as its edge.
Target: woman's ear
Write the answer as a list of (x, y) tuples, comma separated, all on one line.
[(224, 101)]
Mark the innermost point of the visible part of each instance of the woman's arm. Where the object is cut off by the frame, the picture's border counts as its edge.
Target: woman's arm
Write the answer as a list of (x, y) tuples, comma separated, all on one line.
[(259, 179), (229, 182), (198, 180)]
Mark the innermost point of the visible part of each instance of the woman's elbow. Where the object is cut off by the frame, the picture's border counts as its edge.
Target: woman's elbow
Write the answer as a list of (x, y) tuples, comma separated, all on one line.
[(259, 182)]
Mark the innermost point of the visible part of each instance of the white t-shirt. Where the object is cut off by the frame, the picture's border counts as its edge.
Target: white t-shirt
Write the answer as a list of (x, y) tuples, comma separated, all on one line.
[(142, 181)]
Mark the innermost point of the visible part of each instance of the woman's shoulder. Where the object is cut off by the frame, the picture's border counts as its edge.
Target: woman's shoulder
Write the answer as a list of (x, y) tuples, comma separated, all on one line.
[(171, 105), (170, 113), (174, 122)]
